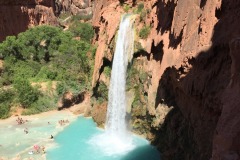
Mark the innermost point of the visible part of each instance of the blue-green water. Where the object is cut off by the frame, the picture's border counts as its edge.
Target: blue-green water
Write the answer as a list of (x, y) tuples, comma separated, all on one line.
[(74, 144)]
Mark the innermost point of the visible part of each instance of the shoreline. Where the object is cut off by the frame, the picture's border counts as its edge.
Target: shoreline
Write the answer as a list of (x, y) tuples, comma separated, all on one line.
[(40, 127)]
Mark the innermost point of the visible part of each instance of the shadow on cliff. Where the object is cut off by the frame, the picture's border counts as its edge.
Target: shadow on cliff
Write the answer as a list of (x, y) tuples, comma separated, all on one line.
[(142, 153), (195, 90), (165, 15)]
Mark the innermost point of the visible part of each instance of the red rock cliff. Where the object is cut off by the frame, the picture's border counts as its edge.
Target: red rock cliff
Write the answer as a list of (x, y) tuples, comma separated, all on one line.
[(16, 16), (190, 63)]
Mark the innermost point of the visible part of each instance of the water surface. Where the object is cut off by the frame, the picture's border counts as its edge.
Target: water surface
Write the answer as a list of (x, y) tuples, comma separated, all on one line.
[(74, 143)]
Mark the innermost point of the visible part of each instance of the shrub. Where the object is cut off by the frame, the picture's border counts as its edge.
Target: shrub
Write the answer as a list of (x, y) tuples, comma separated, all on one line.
[(140, 7), (81, 17), (107, 71), (4, 110), (83, 30), (71, 86), (6, 98), (102, 92), (126, 7), (43, 104), (144, 32), (143, 15), (46, 74), (27, 94)]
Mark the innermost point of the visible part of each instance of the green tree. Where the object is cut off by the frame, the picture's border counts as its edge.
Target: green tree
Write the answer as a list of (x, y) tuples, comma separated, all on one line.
[(6, 98), (83, 30), (27, 94)]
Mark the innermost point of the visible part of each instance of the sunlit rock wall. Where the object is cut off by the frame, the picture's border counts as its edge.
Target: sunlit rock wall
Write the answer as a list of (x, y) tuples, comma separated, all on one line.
[(184, 98)]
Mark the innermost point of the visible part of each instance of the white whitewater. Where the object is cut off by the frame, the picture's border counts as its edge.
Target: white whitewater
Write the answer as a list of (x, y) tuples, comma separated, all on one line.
[(116, 139), (116, 124)]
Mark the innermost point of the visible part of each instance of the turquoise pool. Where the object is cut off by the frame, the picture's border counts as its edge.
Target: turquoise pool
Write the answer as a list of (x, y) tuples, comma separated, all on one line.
[(74, 144)]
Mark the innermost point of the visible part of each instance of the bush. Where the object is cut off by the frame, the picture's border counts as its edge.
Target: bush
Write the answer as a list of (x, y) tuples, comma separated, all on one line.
[(140, 7), (6, 98), (83, 30), (126, 7), (144, 32), (107, 71), (46, 74), (43, 104), (81, 17), (27, 94), (102, 91)]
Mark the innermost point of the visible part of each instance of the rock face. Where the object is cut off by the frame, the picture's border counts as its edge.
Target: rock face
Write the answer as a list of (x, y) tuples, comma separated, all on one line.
[(186, 64), (17, 16), (83, 7)]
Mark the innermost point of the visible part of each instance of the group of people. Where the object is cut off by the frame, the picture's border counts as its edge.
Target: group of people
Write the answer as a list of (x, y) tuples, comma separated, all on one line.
[(20, 121), (63, 122), (37, 149)]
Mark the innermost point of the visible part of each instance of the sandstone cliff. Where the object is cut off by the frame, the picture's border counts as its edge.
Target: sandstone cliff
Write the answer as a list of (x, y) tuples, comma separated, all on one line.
[(82, 7), (17, 16), (186, 100)]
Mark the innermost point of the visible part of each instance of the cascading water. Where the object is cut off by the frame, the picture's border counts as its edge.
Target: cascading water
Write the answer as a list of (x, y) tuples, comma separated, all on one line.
[(116, 124), (115, 143), (116, 139)]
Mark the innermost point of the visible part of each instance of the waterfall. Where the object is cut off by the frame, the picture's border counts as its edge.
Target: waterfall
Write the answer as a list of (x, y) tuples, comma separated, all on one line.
[(116, 124), (116, 139)]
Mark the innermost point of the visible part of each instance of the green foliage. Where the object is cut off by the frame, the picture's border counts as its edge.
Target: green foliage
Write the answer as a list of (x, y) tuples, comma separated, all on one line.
[(46, 73), (6, 98), (107, 71), (9, 47), (64, 15), (102, 93), (27, 94), (45, 53), (81, 17), (144, 32), (71, 86), (83, 30), (37, 44), (140, 7), (43, 104), (61, 88), (143, 15), (126, 7)]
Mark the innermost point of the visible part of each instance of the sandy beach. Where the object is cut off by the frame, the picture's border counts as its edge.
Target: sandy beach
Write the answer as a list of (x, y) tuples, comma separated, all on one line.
[(18, 140)]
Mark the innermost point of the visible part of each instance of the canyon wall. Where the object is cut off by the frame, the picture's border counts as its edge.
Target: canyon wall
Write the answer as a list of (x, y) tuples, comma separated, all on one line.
[(17, 16), (82, 7), (183, 81)]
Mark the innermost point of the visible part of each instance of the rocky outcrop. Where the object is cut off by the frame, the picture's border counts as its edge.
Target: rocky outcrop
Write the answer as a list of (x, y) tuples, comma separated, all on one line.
[(82, 7), (184, 64), (69, 99), (17, 16)]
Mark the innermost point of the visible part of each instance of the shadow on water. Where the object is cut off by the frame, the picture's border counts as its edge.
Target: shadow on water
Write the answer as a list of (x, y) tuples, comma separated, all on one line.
[(143, 153)]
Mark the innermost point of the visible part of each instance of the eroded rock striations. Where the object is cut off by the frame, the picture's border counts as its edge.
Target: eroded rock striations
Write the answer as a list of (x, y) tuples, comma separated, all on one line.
[(185, 73), (75, 7), (16, 16)]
